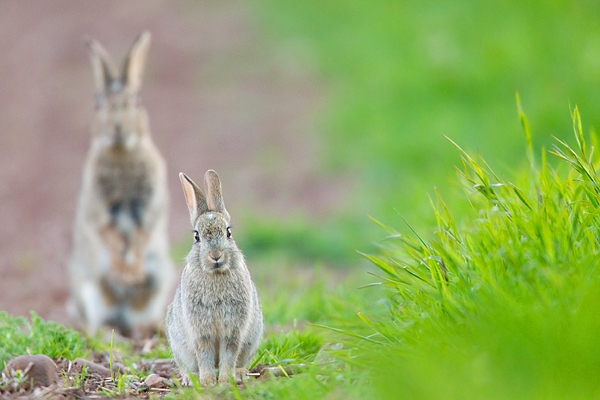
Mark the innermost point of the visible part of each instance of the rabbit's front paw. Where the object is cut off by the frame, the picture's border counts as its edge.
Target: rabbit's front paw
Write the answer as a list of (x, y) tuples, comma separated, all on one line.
[(185, 380), (208, 381), (241, 375)]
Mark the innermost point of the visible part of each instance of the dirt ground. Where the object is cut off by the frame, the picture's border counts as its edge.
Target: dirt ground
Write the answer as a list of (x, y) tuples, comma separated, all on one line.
[(217, 95)]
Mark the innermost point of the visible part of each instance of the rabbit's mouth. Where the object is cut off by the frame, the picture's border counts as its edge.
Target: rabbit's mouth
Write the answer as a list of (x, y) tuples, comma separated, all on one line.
[(219, 265)]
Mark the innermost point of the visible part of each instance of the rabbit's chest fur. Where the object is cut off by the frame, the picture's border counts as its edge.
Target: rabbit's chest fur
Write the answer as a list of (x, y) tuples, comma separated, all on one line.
[(123, 183), (216, 302), (128, 294)]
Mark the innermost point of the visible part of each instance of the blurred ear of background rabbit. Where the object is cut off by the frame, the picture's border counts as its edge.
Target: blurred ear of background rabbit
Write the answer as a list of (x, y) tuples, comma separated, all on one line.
[(215, 320), (120, 268)]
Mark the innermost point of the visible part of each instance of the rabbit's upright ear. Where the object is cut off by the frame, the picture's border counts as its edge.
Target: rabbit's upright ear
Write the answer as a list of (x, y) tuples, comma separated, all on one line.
[(194, 198), (214, 196), (105, 72), (133, 69)]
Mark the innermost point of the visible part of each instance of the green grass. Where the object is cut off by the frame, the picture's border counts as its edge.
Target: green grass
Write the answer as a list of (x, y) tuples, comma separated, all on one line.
[(502, 306), (299, 295), (36, 336), (397, 75), (298, 240), (292, 347)]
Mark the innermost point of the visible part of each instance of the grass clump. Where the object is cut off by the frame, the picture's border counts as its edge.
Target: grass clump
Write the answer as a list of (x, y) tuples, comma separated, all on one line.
[(503, 306), (36, 336), (288, 348)]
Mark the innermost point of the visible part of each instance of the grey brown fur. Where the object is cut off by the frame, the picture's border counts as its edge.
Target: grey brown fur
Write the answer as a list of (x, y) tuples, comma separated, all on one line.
[(215, 320), (120, 269)]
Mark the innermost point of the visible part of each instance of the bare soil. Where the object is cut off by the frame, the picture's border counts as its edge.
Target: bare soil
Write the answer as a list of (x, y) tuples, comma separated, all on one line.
[(217, 94)]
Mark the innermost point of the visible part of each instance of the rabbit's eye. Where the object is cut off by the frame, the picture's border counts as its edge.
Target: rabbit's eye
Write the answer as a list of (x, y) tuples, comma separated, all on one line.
[(196, 237), (228, 232)]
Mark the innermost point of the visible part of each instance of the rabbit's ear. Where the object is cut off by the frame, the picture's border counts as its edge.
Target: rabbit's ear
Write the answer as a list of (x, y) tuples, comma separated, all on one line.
[(214, 196), (134, 64), (105, 72), (194, 197)]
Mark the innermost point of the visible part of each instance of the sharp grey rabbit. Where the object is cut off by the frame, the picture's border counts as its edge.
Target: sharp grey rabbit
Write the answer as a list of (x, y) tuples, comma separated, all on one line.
[(120, 269), (215, 320)]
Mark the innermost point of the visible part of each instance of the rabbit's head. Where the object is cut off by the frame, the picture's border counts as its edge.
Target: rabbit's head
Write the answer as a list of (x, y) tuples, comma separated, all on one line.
[(119, 121), (214, 249)]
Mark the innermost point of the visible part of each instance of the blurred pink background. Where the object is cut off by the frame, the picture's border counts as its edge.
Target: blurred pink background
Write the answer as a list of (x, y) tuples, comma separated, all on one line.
[(217, 94)]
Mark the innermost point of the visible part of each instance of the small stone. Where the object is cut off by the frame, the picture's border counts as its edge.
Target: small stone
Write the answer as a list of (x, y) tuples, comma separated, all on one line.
[(92, 367), (40, 370), (278, 371), (155, 381), (120, 367)]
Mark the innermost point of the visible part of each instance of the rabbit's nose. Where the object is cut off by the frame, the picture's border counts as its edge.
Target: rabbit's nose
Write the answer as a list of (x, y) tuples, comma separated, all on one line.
[(215, 256)]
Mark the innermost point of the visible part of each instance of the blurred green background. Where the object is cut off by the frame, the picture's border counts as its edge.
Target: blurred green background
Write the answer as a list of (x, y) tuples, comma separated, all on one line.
[(401, 74)]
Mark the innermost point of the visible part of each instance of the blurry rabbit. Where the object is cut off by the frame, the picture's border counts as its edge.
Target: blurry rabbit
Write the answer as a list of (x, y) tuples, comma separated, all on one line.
[(120, 269), (215, 320)]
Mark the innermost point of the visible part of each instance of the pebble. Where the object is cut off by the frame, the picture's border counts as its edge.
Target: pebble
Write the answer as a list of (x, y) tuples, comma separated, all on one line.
[(155, 381), (92, 367), (43, 370)]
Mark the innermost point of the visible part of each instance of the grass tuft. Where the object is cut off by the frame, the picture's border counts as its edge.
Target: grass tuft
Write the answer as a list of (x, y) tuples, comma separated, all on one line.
[(503, 305), (289, 348), (36, 336)]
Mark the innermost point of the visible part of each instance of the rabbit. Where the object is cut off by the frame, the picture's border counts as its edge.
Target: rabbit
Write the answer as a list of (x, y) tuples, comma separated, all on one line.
[(120, 270), (215, 320)]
